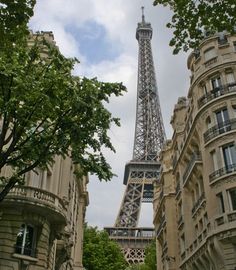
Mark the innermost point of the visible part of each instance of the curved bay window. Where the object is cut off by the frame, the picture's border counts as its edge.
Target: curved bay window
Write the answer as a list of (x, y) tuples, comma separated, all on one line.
[(25, 240)]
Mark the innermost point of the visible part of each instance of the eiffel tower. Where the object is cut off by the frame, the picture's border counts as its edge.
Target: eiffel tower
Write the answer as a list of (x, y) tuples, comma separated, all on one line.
[(143, 170)]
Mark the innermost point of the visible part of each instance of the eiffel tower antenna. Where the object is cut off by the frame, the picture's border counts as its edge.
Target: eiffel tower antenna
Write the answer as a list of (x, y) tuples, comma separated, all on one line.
[(143, 18)]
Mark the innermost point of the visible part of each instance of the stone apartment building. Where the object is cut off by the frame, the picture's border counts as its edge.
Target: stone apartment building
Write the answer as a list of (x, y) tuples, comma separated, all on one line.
[(41, 223), (195, 200)]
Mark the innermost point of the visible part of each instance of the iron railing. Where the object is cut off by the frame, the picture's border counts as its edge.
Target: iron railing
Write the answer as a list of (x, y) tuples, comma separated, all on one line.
[(198, 202), (162, 223), (220, 128), (219, 91), (196, 156), (222, 171)]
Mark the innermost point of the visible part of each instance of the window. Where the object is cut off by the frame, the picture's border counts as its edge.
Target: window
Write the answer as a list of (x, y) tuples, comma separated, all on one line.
[(221, 202), (25, 240), (205, 218), (232, 199), (229, 154), (231, 81), (208, 122), (230, 78), (235, 46), (214, 159), (209, 54), (222, 39), (200, 225), (216, 85), (182, 243), (222, 118)]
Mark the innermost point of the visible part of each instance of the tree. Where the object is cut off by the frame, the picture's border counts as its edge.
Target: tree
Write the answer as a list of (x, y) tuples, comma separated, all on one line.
[(150, 260), (99, 252), (192, 18), (45, 111)]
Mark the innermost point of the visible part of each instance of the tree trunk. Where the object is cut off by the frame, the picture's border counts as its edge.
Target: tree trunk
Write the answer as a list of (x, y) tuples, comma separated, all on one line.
[(8, 187)]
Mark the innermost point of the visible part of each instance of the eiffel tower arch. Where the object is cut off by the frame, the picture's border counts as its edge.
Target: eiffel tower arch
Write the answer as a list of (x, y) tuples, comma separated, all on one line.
[(144, 168)]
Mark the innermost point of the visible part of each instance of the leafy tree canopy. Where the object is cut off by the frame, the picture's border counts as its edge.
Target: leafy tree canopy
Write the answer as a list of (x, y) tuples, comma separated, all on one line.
[(45, 111), (99, 252), (192, 18)]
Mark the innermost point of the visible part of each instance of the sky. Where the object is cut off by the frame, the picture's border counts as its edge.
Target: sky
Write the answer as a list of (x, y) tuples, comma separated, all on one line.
[(101, 34)]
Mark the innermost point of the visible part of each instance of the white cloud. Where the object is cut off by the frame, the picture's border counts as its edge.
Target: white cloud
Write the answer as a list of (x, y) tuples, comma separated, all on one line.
[(119, 18)]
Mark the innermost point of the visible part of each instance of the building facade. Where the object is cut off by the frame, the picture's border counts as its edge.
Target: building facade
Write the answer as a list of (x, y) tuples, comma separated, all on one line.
[(195, 200), (41, 223)]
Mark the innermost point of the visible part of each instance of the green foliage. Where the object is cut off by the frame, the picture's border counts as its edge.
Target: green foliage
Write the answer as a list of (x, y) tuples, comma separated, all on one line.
[(99, 252), (45, 111), (192, 18), (150, 257)]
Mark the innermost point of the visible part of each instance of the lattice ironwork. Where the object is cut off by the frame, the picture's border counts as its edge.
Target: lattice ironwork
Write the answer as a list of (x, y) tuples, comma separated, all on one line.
[(149, 131), (134, 255), (149, 138)]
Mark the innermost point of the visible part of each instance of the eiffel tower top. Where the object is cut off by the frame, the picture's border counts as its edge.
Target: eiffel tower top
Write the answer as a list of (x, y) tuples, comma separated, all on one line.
[(144, 29), (149, 130)]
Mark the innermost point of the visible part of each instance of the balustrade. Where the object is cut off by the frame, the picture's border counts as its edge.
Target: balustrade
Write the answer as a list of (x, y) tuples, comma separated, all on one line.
[(198, 203), (219, 129), (196, 156), (222, 171), (36, 195), (220, 91)]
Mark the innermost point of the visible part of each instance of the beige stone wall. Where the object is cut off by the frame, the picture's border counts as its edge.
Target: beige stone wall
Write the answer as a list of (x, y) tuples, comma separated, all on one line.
[(201, 219)]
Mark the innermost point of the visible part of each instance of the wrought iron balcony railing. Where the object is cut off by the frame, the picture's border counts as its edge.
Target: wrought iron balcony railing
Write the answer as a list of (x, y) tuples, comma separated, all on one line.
[(196, 156), (180, 221), (219, 91), (219, 129), (177, 189), (223, 171), (162, 223), (198, 203)]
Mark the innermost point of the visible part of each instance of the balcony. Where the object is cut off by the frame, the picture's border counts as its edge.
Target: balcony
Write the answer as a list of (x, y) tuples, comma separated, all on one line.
[(198, 203), (37, 200), (177, 189), (218, 129), (174, 160), (225, 218), (231, 168), (161, 226), (220, 91), (180, 222), (196, 157)]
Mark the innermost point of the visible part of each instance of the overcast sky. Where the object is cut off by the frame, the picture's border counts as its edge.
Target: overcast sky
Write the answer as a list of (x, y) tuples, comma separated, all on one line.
[(101, 34)]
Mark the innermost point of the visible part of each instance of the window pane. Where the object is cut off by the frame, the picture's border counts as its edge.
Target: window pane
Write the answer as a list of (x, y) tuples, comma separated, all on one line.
[(232, 193), (222, 116), (216, 83), (226, 152), (28, 240), (233, 154), (25, 240), (20, 239), (229, 153), (221, 202)]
